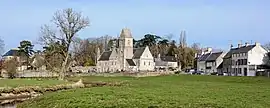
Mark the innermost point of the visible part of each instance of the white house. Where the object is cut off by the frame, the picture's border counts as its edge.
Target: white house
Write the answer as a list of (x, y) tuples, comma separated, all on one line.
[(247, 60), (214, 61), (166, 63), (201, 59)]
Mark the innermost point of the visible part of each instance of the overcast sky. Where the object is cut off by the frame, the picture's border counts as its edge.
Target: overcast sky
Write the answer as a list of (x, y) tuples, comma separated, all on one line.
[(213, 23)]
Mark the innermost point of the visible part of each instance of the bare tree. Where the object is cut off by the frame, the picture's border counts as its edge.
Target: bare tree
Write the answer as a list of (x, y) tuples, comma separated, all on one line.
[(2, 46), (68, 23), (267, 46)]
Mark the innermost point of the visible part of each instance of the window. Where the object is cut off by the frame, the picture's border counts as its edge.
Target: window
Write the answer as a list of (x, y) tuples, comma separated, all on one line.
[(241, 61), (128, 42), (112, 63), (244, 61), (239, 70), (149, 63), (144, 63)]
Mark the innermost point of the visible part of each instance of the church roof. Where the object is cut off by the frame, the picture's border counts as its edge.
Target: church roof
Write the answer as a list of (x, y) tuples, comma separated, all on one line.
[(130, 62), (137, 53), (125, 33), (105, 56)]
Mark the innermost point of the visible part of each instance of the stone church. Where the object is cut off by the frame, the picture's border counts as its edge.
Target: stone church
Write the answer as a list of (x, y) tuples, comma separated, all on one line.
[(123, 57)]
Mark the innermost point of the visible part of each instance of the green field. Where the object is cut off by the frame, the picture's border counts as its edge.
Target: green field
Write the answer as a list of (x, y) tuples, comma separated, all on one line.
[(163, 92), (28, 82)]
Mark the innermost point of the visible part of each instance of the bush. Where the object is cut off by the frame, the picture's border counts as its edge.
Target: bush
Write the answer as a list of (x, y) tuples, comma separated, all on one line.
[(11, 67)]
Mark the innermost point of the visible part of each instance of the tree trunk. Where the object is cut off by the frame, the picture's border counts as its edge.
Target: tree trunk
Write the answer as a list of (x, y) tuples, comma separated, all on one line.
[(63, 69)]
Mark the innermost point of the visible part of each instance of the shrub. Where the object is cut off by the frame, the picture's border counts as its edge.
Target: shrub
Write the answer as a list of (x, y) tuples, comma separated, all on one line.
[(11, 67)]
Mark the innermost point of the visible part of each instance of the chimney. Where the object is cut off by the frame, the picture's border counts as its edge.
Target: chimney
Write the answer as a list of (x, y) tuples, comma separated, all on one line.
[(231, 46), (257, 44), (239, 45), (246, 44), (209, 49)]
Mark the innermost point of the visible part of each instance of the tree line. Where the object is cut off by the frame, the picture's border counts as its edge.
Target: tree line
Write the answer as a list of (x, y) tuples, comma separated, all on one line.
[(62, 48)]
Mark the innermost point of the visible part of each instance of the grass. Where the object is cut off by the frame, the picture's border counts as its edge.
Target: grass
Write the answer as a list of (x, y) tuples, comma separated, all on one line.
[(28, 82), (163, 92)]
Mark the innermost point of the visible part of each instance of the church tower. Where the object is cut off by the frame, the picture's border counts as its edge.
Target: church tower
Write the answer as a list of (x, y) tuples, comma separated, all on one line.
[(126, 46)]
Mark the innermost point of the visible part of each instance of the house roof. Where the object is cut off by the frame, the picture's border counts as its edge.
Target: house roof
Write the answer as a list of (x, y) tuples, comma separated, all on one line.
[(130, 62), (243, 49), (213, 56), (220, 66), (137, 53), (168, 58), (13, 52), (204, 57), (105, 56)]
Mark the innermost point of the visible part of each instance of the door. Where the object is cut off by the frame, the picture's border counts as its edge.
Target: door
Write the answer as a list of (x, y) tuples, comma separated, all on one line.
[(245, 71)]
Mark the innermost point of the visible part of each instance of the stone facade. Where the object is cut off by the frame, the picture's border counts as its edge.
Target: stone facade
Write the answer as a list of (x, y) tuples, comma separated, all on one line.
[(123, 57)]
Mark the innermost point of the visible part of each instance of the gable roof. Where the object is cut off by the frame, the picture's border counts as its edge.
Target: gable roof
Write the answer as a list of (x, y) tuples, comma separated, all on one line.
[(204, 57), (105, 56), (137, 53), (243, 49), (130, 62), (213, 56), (14, 52), (168, 58)]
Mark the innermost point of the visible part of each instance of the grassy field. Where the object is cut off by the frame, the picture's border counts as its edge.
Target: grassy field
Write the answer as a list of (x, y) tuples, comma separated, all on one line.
[(163, 92), (28, 82)]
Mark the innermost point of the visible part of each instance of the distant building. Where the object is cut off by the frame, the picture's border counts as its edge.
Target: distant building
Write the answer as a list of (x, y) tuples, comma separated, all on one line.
[(123, 57), (208, 62), (214, 61), (21, 57), (166, 63), (247, 60), (201, 59)]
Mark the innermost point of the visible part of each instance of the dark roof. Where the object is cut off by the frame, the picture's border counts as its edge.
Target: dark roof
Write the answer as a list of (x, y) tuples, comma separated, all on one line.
[(105, 56), (220, 66), (243, 49), (204, 57), (168, 58), (130, 62), (13, 52), (137, 53), (213, 56)]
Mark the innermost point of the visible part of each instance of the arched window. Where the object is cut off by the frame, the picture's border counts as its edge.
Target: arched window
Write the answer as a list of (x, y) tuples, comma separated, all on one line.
[(128, 42)]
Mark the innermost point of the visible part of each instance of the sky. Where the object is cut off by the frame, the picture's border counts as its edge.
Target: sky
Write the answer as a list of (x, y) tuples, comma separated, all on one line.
[(212, 23)]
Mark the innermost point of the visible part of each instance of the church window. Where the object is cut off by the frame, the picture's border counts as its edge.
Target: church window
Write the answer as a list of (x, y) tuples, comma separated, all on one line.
[(128, 42)]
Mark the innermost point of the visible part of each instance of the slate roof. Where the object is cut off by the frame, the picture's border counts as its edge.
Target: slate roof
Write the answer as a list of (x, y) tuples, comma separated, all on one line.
[(220, 66), (12, 52), (213, 56), (168, 58), (137, 53), (243, 49), (130, 62), (204, 57), (105, 56)]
